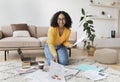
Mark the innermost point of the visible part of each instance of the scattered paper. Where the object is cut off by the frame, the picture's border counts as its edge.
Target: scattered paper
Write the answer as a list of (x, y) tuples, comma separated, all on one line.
[(56, 72), (85, 67), (25, 71), (80, 40), (68, 71), (60, 71), (94, 75), (38, 76)]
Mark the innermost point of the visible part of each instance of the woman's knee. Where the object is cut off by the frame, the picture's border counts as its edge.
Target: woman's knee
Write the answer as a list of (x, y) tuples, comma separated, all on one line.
[(64, 62)]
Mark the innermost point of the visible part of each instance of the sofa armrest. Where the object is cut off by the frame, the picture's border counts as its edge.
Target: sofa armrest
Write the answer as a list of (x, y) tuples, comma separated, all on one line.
[(73, 37), (1, 34)]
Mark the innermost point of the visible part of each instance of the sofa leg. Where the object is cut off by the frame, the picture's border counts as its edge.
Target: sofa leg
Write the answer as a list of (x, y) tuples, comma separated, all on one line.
[(20, 53), (5, 53), (69, 52)]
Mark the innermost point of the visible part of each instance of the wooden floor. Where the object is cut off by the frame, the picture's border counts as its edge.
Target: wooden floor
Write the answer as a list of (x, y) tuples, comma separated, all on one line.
[(39, 54)]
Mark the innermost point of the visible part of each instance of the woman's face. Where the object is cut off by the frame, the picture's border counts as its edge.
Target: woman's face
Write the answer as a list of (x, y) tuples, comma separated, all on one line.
[(61, 20)]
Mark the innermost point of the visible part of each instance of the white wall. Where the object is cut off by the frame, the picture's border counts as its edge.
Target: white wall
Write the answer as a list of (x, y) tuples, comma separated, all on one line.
[(39, 12)]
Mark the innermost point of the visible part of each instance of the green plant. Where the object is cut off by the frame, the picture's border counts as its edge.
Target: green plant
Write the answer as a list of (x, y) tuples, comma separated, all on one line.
[(88, 28), (91, 1)]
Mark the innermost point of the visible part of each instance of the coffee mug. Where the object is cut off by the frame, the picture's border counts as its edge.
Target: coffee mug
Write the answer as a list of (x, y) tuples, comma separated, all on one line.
[(112, 33), (41, 65)]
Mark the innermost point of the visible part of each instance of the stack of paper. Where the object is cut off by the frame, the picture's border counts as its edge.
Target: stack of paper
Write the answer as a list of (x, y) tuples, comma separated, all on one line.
[(68, 71), (56, 72), (60, 71), (94, 75), (25, 71)]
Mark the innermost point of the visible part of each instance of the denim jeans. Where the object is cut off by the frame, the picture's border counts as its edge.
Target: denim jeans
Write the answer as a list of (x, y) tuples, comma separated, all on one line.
[(61, 52)]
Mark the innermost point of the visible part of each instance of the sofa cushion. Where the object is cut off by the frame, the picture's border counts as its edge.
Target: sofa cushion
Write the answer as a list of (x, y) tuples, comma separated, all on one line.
[(43, 41), (21, 34), (42, 31), (32, 30), (6, 31), (19, 42), (19, 27)]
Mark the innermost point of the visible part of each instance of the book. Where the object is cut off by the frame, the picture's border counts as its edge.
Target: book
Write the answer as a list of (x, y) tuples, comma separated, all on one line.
[(84, 67)]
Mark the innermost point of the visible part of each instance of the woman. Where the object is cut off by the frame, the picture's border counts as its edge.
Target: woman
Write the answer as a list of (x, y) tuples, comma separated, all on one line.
[(58, 36)]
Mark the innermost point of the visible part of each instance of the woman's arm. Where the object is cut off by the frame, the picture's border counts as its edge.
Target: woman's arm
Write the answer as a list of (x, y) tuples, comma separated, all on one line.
[(50, 41)]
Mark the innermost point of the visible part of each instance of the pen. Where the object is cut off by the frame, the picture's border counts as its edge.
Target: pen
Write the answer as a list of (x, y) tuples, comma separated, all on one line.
[(101, 74)]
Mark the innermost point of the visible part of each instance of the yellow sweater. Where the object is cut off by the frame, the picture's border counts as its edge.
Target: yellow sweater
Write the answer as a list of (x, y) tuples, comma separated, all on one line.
[(54, 39)]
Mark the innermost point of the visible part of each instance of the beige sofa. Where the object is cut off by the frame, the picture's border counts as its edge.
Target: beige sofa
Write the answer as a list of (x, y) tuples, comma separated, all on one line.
[(36, 41)]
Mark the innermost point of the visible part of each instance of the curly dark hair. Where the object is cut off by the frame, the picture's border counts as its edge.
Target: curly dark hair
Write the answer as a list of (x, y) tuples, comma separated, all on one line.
[(67, 18)]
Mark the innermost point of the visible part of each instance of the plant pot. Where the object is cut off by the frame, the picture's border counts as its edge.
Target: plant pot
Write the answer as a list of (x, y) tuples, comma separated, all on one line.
[(91, 51)]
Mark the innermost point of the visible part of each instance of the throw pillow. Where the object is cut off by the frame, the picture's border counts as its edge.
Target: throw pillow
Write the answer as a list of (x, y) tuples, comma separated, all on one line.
[(19, 27), (21, 34)]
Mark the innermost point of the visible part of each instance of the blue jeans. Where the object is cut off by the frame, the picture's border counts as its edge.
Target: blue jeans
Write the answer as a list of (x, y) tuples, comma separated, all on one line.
[(61, 52)]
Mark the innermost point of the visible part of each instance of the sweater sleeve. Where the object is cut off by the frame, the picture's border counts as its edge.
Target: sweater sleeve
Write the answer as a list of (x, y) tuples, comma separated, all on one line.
[(50, 41)]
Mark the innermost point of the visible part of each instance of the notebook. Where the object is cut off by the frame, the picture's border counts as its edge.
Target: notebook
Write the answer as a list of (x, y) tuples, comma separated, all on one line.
[(84, 67)]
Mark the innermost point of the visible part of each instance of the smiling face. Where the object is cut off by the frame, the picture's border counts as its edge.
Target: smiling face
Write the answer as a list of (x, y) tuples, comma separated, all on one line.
[(61, 20)]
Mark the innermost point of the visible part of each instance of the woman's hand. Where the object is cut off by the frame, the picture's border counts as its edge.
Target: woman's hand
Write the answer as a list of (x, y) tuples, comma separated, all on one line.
[(71, 45), (55, 59)]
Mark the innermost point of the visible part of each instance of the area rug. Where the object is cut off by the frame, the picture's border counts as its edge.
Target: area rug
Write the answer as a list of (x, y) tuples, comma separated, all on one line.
[(113, 75), (8, 71)]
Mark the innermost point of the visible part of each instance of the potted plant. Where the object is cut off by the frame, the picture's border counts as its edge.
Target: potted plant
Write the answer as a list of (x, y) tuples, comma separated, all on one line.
[(91, 1), (88, 28)]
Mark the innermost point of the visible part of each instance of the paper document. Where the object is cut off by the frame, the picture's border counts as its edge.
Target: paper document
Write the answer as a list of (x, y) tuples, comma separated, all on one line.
[(25, 71), (94, 75), (56, 72), (80, 40), (38, 76), (85, 67), (68, 71)]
